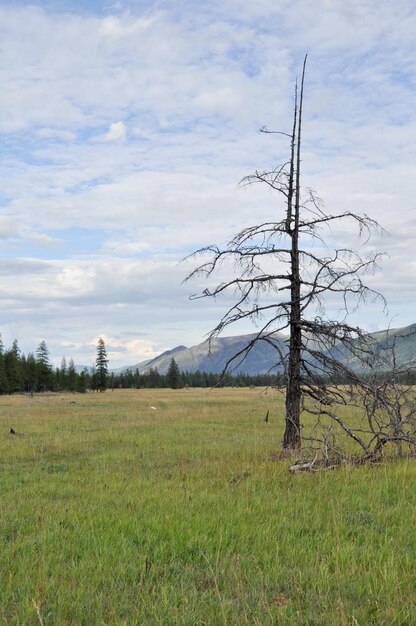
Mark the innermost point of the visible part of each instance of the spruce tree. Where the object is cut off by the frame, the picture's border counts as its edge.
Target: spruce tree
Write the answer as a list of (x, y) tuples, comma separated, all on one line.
[(12, 368), (44, 367), (101, 364), (82, 382), (153, 378), (30, 372), (71, 376), (173, 375), (63, 374)]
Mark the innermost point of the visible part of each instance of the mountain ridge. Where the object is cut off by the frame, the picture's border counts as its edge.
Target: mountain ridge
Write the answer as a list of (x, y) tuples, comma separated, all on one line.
[(212, 357)]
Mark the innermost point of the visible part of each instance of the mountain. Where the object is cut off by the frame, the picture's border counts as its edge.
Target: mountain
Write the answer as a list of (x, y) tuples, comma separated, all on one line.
[(403, 340), (213, 358), (263, 357)]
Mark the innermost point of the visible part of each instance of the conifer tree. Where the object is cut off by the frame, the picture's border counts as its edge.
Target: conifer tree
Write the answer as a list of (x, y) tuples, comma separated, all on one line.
[(63, 374), (44, 367), (153, 378), (173, 375), (16, 349), (30, 372), (82, 382), (13, 370), (71, 376), (101, 364)]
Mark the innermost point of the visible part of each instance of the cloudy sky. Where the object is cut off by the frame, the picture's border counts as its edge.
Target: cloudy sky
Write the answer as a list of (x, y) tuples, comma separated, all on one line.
[(126, 127)]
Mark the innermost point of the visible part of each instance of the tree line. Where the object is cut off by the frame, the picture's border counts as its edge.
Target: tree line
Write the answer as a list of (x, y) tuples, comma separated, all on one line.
[(34, 372), (177, 379)]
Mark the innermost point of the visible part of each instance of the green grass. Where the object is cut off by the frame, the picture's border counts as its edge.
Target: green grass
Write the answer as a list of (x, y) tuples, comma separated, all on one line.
[(113, 513)]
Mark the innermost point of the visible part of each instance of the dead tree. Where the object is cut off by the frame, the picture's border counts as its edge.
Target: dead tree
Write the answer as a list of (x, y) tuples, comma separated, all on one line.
[(281, 284)]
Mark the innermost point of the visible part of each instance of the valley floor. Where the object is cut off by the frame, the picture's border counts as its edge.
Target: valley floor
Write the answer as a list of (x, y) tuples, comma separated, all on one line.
[(162, 507)]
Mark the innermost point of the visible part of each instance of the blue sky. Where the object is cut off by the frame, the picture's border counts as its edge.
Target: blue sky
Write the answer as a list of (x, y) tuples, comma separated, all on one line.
[(126, 127)]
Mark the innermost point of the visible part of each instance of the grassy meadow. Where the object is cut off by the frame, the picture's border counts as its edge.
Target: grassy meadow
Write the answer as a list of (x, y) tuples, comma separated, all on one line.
[(116, 513)]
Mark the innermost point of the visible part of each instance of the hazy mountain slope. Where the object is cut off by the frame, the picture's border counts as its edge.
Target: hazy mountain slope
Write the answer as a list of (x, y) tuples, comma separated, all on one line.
[(403, 340), (161, 362), (263, 357)]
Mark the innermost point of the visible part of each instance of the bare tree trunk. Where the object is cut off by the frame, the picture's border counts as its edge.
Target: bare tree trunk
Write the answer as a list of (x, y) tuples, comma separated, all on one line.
[(291, 437)]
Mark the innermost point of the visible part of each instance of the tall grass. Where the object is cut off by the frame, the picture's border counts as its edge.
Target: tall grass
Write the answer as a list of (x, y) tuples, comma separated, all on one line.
[(113, 512)]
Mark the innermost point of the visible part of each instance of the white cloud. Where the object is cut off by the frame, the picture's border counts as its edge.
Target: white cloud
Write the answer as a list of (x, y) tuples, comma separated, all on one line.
[(54, 133), (115, 27), (116, 132), (121, 350), (12, 229), (138, 126), (222, 101), (9, 227)]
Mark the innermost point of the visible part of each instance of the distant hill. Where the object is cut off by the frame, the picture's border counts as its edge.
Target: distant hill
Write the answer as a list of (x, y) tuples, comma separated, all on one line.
[(404, 341), (260, 359), (263, 357)]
